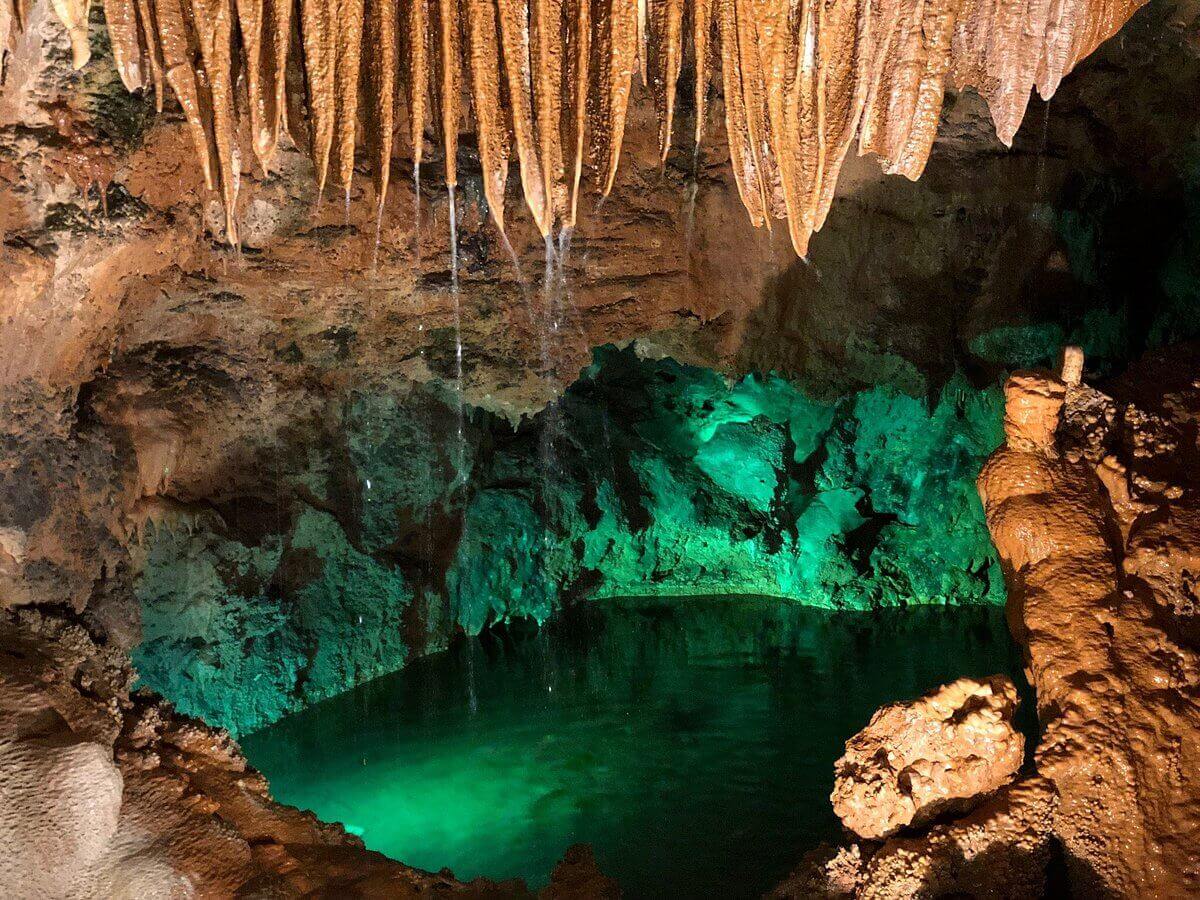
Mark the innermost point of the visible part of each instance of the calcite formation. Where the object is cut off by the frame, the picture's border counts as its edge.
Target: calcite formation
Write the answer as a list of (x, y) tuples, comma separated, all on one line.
[(108, 794), (1089, 502), (550, 82), (1100, 595), (919, 759)]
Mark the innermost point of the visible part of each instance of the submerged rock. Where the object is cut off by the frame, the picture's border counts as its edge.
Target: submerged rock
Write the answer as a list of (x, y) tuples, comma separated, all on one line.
[(916, 760)]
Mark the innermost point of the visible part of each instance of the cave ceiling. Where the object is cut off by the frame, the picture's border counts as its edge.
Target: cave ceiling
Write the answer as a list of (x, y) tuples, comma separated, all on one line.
[(547, 83)]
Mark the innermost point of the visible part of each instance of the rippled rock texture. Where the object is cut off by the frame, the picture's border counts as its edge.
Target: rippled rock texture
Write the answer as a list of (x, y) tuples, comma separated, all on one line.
[(921, 759)]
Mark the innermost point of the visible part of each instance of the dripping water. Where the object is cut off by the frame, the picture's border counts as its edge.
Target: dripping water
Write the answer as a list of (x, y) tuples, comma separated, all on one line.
[(472, 698), (417, 210), (690, 191), (1039, 176), (572, 316), (378, 230), (547, 322), (460, 438)]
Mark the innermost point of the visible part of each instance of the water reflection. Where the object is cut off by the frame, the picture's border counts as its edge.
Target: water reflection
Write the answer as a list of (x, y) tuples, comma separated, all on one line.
[(690, 742)]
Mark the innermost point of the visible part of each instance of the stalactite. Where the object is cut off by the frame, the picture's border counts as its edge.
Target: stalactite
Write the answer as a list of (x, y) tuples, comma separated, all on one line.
[(702, 26), (546, 56), (416, 51), (802, 80), (214, 30), (491, 129), (319, 69), (152, 49), (666, 59), (514, 45), (347, 53), (179, 49), (577, 35), (616, 41), (265, 27), (450, 86), (121, 18), (74, 16), (380, 80), (742, 154)]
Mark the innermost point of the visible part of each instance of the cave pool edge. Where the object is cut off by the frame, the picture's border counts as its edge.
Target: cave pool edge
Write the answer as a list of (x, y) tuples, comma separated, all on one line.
[(690, 741)]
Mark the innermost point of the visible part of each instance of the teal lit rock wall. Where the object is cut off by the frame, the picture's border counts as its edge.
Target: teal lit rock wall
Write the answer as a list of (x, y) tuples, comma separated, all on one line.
[(649, 478), (654, 478)]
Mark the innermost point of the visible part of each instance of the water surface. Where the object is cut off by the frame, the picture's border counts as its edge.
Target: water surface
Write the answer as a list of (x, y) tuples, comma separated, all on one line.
[(690, 742)]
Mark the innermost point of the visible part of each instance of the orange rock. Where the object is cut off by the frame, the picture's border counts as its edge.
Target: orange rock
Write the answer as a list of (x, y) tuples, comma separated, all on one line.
[(919, 759)]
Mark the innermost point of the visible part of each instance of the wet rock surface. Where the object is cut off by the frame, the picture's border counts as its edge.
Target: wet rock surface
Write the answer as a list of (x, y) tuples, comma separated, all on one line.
[(154, 386), (1097, 558), (924, 758), (112, 794)]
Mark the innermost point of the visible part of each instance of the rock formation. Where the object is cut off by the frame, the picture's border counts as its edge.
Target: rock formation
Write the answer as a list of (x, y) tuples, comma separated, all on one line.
[(1110, 654), (1100, 597), (920, 759), (160, 392), (801, 83), (108, 794)]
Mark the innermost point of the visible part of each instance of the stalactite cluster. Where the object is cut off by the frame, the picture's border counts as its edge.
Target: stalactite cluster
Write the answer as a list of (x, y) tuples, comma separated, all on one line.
[(548, 82)]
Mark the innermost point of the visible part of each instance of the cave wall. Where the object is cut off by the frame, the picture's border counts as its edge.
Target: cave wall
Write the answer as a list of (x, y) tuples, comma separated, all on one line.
[(366, 542), (166, 397)]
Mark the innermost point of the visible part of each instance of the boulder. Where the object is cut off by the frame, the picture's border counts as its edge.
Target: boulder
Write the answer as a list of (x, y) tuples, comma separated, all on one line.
[(918, 759)]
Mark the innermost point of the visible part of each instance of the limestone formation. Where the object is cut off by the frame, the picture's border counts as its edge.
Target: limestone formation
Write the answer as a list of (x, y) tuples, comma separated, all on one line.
[(1107, 635), (108, 794), (801, 82), (919, 759)]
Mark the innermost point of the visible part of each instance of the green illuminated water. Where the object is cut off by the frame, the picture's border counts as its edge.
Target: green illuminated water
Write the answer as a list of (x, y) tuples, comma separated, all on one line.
[(690, 742)]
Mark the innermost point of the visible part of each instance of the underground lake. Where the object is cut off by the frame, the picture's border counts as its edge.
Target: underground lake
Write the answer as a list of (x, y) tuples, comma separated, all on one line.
[(690, 741)]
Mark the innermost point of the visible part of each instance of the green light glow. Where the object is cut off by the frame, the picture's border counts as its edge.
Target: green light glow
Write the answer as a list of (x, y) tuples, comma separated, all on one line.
[(648, 478), (692, 743)]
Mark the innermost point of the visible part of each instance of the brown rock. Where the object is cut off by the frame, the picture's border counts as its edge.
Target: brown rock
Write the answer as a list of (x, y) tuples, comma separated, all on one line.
[(918, 759), (107, 795), (1105, 625)]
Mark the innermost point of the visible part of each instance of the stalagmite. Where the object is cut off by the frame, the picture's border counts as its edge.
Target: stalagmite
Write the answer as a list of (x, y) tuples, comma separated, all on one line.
[(802, 82)]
